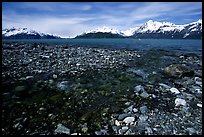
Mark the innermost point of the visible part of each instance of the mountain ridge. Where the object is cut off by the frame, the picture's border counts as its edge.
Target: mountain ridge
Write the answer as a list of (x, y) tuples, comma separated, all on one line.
[(150, 29), (155, 29)]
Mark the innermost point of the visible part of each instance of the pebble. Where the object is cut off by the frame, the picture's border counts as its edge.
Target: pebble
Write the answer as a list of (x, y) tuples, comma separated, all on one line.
[(117, 123), (98, 132), (164, 85), (135, 110), (128, 120), (54, 76), (179, 101), (76, 134), (18, 126), (127, 103), (174, 90), (144, 94), (139, 88), (199, 105), (143, 109)]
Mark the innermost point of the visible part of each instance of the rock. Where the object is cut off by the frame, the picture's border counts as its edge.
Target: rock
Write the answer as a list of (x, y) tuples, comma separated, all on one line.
[(130, 108), (18, 126), (29, 77), (54, 76), (174, 90), (178, 71), (164, 85), (62, 129), (179, 101), (76, 134), (135, 110), (127, 103), (84, 129), (191, 131), (139, 72), (149, 130), (122, 116), (20, 88), (98, 132), (128, 120), (117, 123), (103, 131), (143, 117), (63, 85), (115, 128), (143, 109), (199, 105), (124, 129), (41, 109), (144, 94), (139, 88)]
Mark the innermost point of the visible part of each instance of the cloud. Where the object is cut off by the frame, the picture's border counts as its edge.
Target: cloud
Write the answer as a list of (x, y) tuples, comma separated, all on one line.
[(63, 26), (71, 19)]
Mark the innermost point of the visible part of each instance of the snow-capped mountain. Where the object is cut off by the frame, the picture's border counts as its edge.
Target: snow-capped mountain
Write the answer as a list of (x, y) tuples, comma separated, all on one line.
[(25, 33), (152, 29), (104, 30)]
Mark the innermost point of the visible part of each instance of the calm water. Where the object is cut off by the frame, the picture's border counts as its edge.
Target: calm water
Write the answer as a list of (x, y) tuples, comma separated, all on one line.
[(194, 46)]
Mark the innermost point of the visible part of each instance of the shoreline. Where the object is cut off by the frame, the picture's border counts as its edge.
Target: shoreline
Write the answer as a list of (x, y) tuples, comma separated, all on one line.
[(96, 91)]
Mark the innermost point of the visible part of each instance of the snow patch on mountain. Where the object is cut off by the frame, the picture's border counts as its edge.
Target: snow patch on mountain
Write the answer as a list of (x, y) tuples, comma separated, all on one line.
[(129, 32), (104, 29)]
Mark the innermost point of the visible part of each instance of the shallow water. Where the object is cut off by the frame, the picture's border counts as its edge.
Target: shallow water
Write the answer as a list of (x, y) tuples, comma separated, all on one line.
[(139, 44)]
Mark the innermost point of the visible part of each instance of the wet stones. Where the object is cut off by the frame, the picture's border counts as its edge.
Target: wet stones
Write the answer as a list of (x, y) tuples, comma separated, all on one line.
[(178, 71)]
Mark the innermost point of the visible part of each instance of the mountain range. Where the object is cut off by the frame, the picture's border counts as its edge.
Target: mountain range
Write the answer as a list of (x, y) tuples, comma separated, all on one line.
[(25, 33), (149, 30)]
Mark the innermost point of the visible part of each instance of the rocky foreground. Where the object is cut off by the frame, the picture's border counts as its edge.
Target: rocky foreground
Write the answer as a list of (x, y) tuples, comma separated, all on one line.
[(51, 90)]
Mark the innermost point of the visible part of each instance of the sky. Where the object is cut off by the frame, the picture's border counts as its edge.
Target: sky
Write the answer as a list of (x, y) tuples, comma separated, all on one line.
[(68, 19)]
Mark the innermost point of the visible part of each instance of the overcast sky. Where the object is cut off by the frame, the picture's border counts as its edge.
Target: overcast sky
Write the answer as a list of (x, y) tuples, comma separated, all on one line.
[(69, 19)]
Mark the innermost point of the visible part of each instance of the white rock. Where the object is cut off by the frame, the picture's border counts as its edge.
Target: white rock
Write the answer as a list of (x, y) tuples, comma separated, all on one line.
[(128, 120), (174, 90), (130, 108), (135, 110), (179, 101), (117, 123), (54, 76), (164, 85), (139, 88), (199, 105), (144, 94), (62, 129)]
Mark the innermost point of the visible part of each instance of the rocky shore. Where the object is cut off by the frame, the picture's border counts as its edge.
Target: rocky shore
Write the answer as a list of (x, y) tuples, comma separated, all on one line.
[(74, 90)]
